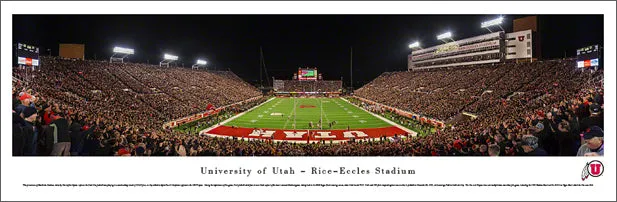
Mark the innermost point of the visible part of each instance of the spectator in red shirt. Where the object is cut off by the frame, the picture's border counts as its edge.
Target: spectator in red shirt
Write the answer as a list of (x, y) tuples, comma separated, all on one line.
[(47, 113)]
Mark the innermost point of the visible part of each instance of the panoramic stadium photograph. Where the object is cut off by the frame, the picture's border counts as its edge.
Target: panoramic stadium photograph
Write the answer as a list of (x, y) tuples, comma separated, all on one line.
[(307, 85)]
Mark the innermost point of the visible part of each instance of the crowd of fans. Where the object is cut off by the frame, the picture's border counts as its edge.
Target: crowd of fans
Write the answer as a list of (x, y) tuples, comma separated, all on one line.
[(422, 129), (134, 93), (442, 94), (547, 103), (311, 86), (126, 98), (224, 114), (82, 108)]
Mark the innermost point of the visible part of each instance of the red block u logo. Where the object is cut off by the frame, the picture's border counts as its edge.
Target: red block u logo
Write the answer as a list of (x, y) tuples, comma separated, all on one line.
[(596, 169)]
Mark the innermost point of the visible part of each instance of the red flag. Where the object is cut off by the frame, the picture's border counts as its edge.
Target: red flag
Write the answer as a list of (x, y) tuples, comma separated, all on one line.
[(210, 107)]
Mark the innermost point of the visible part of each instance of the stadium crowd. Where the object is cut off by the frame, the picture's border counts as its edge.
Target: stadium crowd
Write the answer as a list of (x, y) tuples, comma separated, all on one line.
[(88, 108), (546, 102), (416, 125), (311, 86), (127, 97), (224, 114)]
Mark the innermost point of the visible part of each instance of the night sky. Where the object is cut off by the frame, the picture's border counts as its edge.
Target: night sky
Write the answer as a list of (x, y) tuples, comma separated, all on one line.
[(380, 42)]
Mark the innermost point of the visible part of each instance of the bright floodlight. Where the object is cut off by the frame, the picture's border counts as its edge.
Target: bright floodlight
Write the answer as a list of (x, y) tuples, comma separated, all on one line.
[(170, 57), (120, 53), (446, 35), (127, 51), (167, 59), (414, 45), (200, 63), (493, 22)]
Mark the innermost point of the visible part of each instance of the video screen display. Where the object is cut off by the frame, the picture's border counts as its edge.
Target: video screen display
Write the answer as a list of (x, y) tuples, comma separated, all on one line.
[(587, 57), (307, 74), (27, 55)]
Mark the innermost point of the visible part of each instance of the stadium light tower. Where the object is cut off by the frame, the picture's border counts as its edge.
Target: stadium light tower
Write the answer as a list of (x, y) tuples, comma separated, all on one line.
[(200, 63), (120, 53), (493, 22), (167, 58), (444, 36), (415, 45)]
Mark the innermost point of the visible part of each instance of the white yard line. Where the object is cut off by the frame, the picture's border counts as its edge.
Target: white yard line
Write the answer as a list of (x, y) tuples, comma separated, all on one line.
[(413, 133), (233, 117), (325, 114), (320, 114), (290, 114), (295, 114)]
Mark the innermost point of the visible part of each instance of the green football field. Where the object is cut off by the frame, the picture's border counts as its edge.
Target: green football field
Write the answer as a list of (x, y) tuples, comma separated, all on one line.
[(285, 113)]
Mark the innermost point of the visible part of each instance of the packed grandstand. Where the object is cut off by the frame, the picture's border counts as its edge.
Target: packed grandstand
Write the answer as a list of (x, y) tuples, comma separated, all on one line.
[(97, 108), (310, 86), (487, 95)]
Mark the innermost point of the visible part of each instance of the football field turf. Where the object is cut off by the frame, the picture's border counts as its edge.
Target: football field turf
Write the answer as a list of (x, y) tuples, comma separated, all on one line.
[(297, 113)]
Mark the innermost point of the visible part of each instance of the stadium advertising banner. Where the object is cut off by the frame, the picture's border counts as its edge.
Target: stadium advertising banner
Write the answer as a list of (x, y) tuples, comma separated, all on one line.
[(307, 74), (27, 55), (588, 57), (519, 45)]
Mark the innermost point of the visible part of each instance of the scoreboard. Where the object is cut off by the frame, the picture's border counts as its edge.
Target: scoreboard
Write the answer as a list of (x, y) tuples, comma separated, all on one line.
[(27, 55), (587, 57), (307, 74)]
